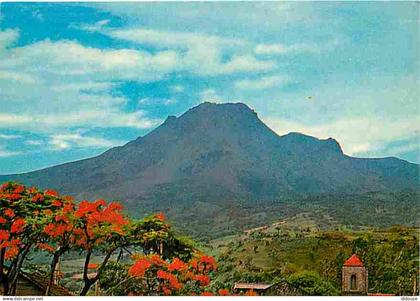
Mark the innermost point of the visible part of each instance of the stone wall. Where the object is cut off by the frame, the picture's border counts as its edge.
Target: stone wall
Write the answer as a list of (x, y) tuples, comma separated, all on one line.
[(361, 280)]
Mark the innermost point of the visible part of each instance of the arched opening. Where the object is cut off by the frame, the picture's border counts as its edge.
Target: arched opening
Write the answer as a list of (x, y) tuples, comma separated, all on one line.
[(353, 284)]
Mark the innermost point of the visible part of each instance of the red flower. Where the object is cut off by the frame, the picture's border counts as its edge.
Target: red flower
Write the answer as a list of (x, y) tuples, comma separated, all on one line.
[(56, 203), (19, 189), (68, 208), (17, 226), (206, 294), (160, 216), (32, 189), (11, 252), (177, 265), (2, 220), (93, 266), (209, 262), (162, 274), (55, 230), (4, 187), (38, 197), (139, 268), (251, 293), (194, 263), (59, 218), (14, 196), (173, 281), (166, 291), (51, 192), (223, 292), (67, 198), (155, 259), (203, 279), (46, 247), (4, 235)]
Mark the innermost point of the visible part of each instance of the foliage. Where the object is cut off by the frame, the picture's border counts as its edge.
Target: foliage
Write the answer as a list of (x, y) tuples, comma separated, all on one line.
[(311, 284), (31, 219), (390, 255)]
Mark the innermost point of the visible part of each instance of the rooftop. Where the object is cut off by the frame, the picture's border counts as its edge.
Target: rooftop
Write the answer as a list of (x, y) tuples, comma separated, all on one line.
[(253, 286), (353, 261)]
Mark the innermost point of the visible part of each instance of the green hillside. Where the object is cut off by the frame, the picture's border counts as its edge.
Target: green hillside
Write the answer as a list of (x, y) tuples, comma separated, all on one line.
[(310, 260)]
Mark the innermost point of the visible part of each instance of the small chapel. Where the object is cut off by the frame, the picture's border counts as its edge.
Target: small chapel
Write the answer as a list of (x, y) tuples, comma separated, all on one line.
[(354, 277)]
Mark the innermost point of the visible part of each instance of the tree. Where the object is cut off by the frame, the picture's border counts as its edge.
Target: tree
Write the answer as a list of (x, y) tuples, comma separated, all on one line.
[(22, 219), (310, 283), (58, 235), (151, 275), (154, 235), (100, 227)]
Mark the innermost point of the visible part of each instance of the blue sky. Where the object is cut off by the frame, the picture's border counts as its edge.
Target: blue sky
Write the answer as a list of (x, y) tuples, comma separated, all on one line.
[(79, 78)]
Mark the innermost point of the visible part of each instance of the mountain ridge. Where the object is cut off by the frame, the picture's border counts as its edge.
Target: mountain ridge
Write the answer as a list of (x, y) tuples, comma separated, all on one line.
[(219, 153)]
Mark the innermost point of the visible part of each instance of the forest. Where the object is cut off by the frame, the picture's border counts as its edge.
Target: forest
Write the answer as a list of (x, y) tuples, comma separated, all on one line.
[(53, 235)]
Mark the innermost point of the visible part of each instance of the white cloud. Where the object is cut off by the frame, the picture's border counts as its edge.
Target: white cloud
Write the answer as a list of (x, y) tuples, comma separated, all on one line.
[(93, 27), (194, 49), (33, 142), (149, 101), (357, 135), (69, 58), (9, 137), (7, 153), (65, 141), (405, 148), (170, 39), (177, 89), (210, 95), (51, 122), (16, 77), (283, 49), (8, 37), (85, 86), (264, 82), (50, 85)]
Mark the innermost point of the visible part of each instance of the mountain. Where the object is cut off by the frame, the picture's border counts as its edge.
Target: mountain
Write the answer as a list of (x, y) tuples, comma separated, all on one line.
[(220, 154)]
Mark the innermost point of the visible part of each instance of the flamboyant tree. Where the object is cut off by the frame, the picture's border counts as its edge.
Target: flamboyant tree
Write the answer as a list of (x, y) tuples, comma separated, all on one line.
[(58, 235), (31, 219), (101, 227), (151, 275), (22, 220)]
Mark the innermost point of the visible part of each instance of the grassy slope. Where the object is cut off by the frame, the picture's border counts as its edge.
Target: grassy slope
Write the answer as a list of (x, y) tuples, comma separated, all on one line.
[(295, 246)]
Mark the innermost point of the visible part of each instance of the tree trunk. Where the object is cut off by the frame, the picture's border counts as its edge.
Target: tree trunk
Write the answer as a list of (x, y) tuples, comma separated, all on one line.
[(53, 265), (86, 288), (89, 282), (86, 279), (3, 277), (19, 264), (120, 255)]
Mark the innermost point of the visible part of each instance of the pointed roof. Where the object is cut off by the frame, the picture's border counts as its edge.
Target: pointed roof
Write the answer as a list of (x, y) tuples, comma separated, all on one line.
[(353, 261)]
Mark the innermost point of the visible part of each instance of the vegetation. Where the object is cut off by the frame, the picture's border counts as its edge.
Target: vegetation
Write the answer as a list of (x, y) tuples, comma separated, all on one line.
[(302, 254), (324, 212), (33, 220), (308, 261)]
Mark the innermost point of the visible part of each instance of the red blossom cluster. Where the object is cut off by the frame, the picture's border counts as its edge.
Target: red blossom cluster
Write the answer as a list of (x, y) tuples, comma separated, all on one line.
[(17, 225), (46, 247), (54, 223), (172, 276), (93, 266), (97, 221), (160, 216), (140, 267)]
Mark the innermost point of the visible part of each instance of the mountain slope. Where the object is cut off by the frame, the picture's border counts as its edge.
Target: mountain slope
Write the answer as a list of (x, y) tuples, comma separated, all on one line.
[(220, 154)]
